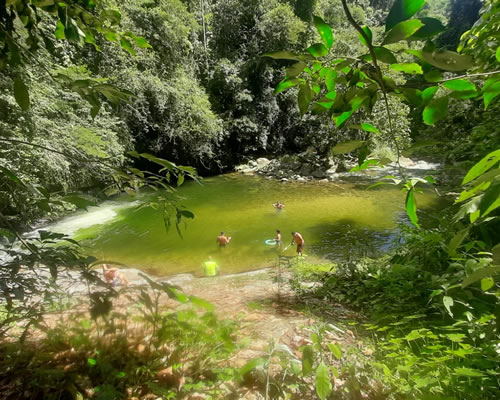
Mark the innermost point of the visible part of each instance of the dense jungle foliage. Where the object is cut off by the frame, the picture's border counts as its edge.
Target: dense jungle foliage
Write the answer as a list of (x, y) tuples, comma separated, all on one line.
[(202, 92), (107, 97)]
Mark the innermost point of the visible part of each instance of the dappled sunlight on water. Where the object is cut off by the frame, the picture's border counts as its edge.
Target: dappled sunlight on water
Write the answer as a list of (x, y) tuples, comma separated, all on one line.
[(332, 218)]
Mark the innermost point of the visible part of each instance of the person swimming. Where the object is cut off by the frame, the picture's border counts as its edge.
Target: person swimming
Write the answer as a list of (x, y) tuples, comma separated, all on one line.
[(278, 205)]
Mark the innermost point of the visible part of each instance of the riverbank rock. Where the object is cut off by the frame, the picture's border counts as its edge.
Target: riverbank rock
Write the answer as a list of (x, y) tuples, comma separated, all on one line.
[(308, 165), (262, 162)]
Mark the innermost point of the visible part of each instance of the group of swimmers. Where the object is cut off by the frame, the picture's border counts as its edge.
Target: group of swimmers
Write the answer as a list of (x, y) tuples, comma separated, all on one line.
[(114, 277), (223, 240)]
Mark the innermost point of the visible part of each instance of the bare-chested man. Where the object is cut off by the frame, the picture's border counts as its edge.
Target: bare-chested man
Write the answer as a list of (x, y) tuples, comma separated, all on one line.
[(297, 238), (223, 240)]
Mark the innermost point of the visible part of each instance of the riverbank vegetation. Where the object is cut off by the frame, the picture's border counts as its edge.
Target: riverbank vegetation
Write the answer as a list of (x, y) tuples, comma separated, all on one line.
[(100, 98)]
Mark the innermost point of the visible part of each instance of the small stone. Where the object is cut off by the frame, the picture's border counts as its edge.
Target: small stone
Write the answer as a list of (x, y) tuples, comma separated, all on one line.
[(323, 180)]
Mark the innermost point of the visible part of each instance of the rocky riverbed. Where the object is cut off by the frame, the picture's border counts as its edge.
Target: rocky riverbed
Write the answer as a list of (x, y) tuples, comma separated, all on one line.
[(308, 167)]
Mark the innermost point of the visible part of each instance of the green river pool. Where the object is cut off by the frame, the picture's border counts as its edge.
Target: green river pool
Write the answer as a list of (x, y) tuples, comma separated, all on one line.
[(335, 219)]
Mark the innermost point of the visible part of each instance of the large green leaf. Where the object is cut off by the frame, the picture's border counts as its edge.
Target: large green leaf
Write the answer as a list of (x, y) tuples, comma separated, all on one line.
[(447, 60), (490, 200), (318, 50), (384, 55), (487, 283), (411, 207), (448, 303), (435, 110), (428, 94), (286, 84), (336, 350), (324, 30), (197, 301), (365, 127), (348, 147), (59, 32), (467, 194), (71, 31), (479, 274), (432, 26), (401, 11), (113, 93), (434, 75), (342, 118), (461, 85), (366, 165), (468, 372), (21, 94), (126, 45), (139, 40), (413, 96), (368, 33), (408, 68), (482, 166), (402, 31), (304, 98), (112, 16), (323, 384), (295, 69), (456, 241), (327, 101), (330, 77), (490, 92), (9, 174), (251, 365), (307, 360)]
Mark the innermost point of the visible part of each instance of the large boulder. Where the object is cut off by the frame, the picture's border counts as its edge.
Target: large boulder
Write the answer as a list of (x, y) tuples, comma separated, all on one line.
[(406, 162), (306, 169), (262, 162), (318, 173)]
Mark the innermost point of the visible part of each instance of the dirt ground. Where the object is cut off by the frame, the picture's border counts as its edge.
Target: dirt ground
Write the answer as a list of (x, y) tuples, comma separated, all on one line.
[(267, 308)]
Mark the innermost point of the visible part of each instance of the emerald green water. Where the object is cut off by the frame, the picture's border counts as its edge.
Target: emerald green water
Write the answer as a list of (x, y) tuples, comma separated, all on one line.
[(334, 219)]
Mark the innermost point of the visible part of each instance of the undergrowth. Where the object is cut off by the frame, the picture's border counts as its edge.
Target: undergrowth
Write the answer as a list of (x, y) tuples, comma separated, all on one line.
[(434, 336), (144, 348)]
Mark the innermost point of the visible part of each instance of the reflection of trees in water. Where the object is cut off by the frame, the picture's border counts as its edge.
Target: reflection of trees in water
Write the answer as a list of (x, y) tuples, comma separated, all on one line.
[(344, 240)]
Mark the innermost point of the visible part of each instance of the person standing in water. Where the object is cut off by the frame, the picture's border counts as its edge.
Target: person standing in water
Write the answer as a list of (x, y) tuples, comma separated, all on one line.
[(299, 240), (277, 239), (223, 240)]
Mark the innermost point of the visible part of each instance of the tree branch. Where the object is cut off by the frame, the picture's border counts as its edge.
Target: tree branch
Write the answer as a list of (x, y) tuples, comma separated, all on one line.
[(380, 79)]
